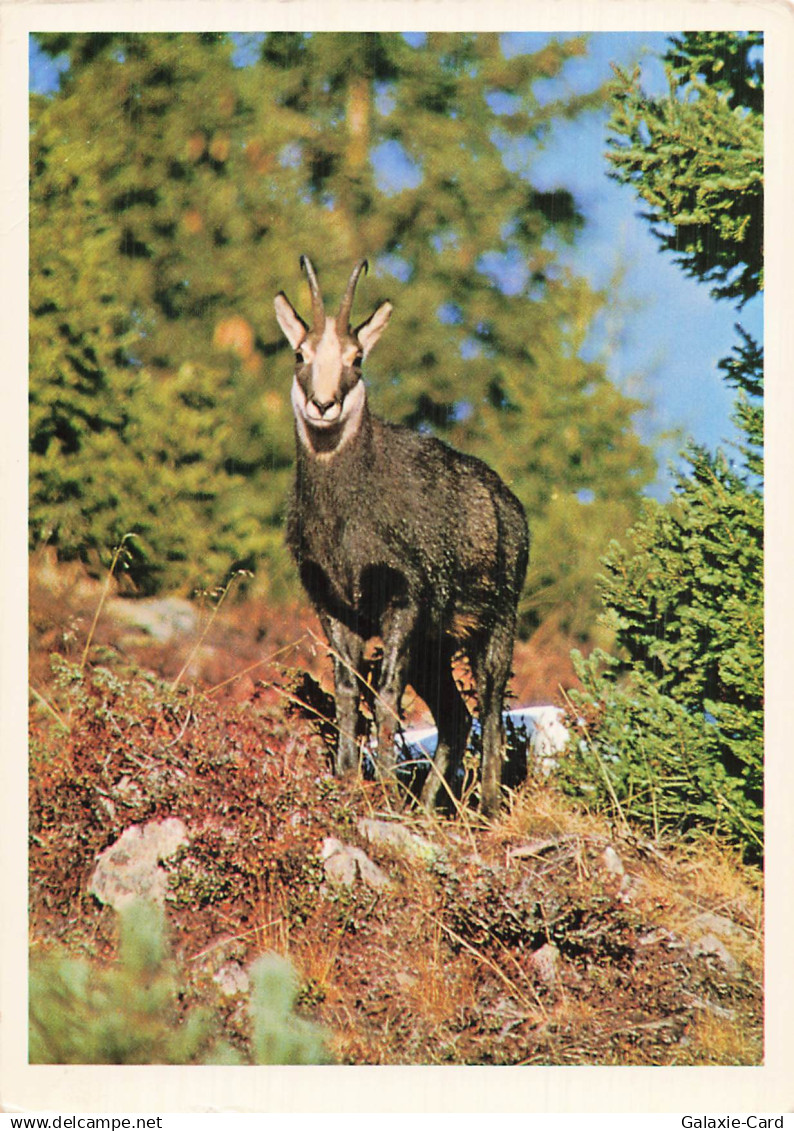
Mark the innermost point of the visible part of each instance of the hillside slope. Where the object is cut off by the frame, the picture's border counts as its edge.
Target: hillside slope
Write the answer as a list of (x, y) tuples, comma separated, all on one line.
[(545, 937)]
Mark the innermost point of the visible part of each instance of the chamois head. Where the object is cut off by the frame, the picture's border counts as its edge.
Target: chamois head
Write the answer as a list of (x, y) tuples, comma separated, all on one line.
[(327, 392)]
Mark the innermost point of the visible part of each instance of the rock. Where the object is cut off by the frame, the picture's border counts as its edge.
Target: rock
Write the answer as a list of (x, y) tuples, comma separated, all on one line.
[(629, 886), (714, 1008), (404, 979), (545, 962), (343, 863), (721, 926), (533, 848), (232, 979), (710, 945), (394, 835), (129, 869), (162, 618), (612, 862), (718, 930)]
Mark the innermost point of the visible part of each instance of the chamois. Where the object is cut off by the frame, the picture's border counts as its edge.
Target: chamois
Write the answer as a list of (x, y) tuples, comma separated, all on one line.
[(396, 535)]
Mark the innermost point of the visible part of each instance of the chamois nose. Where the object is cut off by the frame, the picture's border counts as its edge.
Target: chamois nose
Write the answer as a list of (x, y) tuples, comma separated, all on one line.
[(323, 406)]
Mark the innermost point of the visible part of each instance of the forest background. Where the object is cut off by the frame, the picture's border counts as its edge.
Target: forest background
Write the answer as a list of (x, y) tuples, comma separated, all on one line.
[(182, 197)]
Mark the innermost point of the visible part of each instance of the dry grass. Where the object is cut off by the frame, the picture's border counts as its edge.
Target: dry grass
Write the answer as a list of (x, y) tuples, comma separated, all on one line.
[(440, 967), (715, 1041)]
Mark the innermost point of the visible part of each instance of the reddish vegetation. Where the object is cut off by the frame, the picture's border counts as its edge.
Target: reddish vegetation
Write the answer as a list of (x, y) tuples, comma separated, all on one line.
[(511, 943)]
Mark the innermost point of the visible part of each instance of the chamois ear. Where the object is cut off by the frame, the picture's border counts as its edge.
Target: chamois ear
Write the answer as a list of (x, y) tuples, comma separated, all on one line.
[(369, 332), (290, 322)]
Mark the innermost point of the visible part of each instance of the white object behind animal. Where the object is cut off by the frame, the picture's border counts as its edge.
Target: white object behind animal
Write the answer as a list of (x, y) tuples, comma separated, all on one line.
[(546, 733)]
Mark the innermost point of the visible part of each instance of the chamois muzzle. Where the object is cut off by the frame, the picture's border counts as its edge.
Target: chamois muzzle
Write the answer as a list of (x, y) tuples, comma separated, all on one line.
[(323, 413)]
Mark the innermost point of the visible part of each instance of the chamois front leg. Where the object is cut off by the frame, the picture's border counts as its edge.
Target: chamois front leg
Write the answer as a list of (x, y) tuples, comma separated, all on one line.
[(397, 628), (348, 650)]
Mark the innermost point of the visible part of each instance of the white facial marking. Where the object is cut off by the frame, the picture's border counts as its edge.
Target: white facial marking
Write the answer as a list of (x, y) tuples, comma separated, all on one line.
[(327, 365), (347, 419)]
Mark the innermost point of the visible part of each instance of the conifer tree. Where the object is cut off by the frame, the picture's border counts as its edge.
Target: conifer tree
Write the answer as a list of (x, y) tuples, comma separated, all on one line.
[(680, 739), (696, 157), (134, 1011)]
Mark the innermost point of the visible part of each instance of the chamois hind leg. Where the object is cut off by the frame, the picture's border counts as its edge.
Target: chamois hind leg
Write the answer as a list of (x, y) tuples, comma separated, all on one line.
[(491, 666), (348, 650), (431, 677)]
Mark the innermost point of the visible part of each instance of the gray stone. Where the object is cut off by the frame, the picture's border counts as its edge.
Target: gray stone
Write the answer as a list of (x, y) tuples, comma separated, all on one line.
[(546, 962), (533, 848), (612, 862), (232, 979), (629, 887), (721, 926), (161, 618), (711, 946), (714, 1008), (344, 863), (130, 868), (397, 836)]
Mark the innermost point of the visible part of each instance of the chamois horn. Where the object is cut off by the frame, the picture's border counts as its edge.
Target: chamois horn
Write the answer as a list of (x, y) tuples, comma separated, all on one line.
[(318, 310), (343, 317)]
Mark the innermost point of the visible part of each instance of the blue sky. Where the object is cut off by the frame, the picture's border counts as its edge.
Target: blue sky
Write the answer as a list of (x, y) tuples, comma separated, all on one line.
[(663, 334), (666, 334)]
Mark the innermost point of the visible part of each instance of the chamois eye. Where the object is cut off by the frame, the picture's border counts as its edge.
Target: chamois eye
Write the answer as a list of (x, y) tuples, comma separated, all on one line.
[(299, 357), (358, 360)]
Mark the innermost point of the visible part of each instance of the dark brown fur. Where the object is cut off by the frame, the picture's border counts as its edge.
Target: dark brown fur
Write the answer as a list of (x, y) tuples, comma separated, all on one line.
[(399, 536)]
